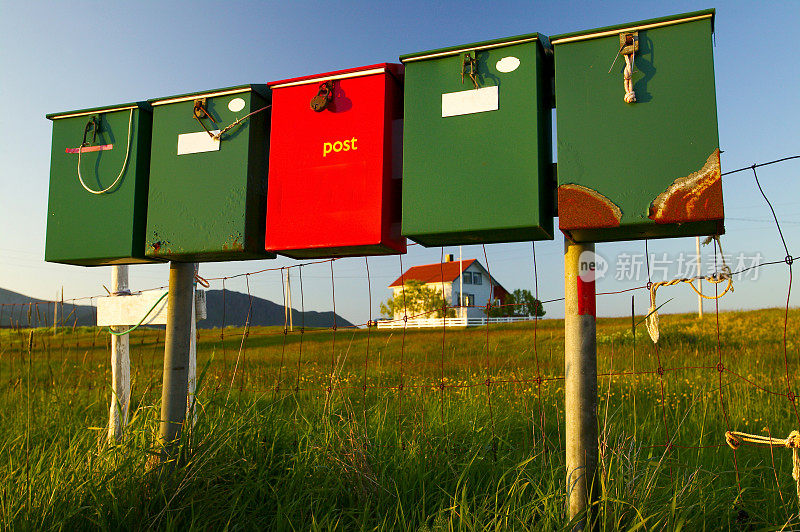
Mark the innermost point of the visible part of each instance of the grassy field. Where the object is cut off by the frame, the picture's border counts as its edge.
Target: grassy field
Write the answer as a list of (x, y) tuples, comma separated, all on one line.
[(357, 429)]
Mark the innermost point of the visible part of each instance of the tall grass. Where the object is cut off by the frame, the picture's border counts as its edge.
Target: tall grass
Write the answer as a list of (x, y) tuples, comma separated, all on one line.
[(293, 441)]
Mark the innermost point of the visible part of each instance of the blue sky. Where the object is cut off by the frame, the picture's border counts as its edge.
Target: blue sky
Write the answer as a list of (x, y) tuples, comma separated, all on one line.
[(71, 55)]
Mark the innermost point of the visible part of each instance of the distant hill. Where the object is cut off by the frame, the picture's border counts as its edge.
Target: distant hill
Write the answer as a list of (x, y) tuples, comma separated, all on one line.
[(264, 312), (15, 311)]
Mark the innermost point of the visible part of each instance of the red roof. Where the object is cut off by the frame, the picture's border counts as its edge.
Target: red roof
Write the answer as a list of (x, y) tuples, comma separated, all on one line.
[(434, 273)]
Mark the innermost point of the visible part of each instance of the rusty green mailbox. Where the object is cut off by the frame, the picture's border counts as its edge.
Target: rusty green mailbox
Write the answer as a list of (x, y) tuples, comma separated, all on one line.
[(477, 143), (97, 204), (208, 176), (638, 149)]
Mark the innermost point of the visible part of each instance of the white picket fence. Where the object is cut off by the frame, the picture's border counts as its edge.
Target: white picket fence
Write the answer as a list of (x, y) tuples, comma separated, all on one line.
[(421, 323)]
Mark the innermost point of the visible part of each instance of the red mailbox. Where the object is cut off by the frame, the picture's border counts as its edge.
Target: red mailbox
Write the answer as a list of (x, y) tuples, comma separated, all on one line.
[(335, 164)]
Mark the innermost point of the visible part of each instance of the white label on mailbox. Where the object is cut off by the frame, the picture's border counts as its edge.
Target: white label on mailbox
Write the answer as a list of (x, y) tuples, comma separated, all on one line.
[(197, 142), (469, 102), (507, 64), (236, 105)]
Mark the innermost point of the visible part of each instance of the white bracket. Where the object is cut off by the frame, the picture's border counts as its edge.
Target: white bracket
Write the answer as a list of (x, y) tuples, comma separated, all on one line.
[(129, 309)]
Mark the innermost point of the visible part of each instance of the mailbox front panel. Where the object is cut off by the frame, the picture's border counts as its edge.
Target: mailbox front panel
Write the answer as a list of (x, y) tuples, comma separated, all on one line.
[(477, 161), (207, 198), (90, 229), (648, 169), (333, 190)]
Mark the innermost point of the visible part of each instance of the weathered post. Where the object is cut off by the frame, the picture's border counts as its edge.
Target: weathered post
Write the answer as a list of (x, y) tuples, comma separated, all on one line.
[(191, 412), (120, 364), (580, 380), (174, 393), (699, 281)]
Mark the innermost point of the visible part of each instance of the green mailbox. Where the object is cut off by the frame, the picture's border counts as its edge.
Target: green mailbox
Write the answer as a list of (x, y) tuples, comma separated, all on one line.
[(477, 144), (638, 148), (208, 176), (97, 204)]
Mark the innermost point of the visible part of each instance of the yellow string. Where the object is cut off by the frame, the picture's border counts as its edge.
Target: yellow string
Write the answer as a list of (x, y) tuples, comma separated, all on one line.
[(651, 322), (734, 439)]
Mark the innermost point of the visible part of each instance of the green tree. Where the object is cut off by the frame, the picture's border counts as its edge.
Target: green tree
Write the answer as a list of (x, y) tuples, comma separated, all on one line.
[(416, 300), (519, 303)]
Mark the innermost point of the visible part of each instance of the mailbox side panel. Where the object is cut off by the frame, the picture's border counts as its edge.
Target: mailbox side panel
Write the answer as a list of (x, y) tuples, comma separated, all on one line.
[(208, 205), (393, 165), (477, 177), (648, 169), (257, 168), (99, 229)]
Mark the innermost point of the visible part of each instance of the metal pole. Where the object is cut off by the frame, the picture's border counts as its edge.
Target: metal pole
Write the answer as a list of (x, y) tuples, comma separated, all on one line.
[(120, 364), (176, 356), (580, 376), (699, 281)]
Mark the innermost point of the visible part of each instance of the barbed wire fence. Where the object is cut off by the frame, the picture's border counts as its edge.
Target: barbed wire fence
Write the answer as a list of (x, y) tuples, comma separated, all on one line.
[(419, 372)]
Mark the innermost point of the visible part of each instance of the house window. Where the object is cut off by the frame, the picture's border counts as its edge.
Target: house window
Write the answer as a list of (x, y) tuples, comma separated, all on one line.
[(469, 300), (477, 278), (467, 277)]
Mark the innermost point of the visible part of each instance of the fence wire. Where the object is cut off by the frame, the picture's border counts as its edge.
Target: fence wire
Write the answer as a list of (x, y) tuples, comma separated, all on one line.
[(442, 367)]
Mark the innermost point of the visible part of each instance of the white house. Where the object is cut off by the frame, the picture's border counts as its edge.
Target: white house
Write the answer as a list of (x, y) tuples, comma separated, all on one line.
[(453, 277)]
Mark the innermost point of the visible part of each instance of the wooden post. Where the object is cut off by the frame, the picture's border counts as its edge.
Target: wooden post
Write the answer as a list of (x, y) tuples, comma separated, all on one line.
[(289, 299), (191, 413), (120, 364), (55, 314), (699, 281)]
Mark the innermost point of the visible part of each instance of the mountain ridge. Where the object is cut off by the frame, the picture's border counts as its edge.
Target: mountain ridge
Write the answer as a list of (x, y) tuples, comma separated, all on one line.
[(19, 310)]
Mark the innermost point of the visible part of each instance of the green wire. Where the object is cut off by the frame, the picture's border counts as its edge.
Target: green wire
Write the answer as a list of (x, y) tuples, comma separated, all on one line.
[(140, 321)]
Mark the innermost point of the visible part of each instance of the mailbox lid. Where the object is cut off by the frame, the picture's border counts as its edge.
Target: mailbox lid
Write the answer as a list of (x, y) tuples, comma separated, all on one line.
[(478, 171), (649, 169), (449, 51), (207, 200), (334, 175), (632, 26), (98, 229)]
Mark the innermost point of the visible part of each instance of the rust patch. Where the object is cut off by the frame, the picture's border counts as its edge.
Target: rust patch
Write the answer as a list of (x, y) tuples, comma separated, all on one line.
[(233, 243), (581, 207), (696, 197), (157, 244)]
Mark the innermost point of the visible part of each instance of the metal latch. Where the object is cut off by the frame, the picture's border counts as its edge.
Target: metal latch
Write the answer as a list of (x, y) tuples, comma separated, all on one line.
[(471, 62), (628, 45), (92, 125), (200, 111), (629, 42)]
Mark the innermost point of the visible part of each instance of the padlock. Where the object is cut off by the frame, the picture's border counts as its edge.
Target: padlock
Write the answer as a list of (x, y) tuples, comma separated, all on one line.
[(324, 97)]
